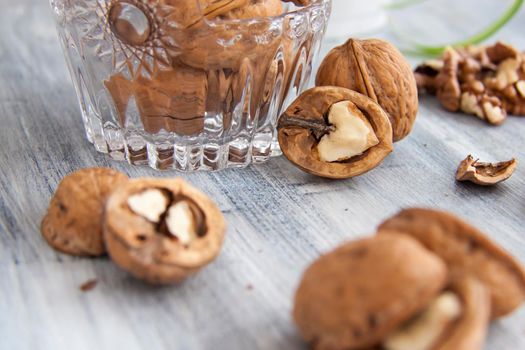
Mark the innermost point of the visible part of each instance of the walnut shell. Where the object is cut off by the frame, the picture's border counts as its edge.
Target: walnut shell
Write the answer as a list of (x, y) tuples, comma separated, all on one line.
[(467, 251), (470, 330), (255, 9), (220, 45), (173, 100), (145, 249), (485, 174), (354, 296), (378, 70), (298, 142), (73, 222)]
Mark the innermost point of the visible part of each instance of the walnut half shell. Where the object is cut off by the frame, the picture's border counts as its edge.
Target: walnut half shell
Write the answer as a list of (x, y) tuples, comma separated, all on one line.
[(378, 70), (162, 230), (467, 252), (470, 330), (334, 132), (485, 174)]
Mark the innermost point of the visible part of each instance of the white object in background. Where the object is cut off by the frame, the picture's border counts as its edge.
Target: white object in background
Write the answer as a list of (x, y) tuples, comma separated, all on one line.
[(355, 17)]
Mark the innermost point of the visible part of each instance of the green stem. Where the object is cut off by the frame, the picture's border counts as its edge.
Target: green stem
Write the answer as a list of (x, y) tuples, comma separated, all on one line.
[(476, 38)]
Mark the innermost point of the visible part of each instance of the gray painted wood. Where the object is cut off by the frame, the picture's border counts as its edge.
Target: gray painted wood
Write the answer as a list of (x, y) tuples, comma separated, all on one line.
[(280, 219)]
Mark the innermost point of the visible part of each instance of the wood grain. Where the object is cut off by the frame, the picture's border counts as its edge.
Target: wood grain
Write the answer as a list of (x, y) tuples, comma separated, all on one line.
[(280, 218)]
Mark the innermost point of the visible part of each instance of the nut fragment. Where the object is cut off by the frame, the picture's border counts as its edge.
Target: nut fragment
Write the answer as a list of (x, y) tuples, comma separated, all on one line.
[(467, 252), (486, 107), (485, 174), (356, 295), (423, 332), (150, 204), (378, 70), (339, 142), (163, 248), (73, 222), (182, 223), (447, 84)]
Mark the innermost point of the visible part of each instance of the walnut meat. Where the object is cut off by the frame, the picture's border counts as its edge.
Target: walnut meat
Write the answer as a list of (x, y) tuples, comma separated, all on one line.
[(485, 81), (467, 252), (334, 132), (358, 294), (162, 230), (73, 222), (378, 70)]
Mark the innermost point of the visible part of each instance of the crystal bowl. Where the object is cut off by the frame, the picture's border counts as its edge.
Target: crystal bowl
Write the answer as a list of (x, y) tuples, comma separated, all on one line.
[(206, 96)]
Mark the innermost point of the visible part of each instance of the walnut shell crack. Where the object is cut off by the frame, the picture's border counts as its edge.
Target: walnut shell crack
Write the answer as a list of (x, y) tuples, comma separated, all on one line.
[(356, 295), (305, 122), (155, 251), (378, 70), (485, 174), (73, 222), (467, 252)]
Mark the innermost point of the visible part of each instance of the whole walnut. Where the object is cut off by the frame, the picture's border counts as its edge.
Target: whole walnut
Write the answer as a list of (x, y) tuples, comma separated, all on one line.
[(378, 70)]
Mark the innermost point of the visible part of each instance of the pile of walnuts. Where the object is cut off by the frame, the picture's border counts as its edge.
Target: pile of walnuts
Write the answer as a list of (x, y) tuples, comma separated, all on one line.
[(158, 230), (427, 280), (485, 81)]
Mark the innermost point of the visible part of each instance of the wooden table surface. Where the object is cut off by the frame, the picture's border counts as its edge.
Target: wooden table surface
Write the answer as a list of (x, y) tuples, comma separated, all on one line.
[(280, 219)]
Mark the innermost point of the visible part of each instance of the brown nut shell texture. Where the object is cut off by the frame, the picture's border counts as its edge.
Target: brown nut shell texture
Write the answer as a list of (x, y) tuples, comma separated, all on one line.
[(470, 330), (378, 70), (162, 230), (356, 295), (485, 174), (304, 124), (73, 222), (255, 9), (467, 252)]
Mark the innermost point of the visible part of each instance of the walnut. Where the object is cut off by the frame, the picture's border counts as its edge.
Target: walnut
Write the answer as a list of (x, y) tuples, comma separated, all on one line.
[(173, 100), (334, 132), (470, 329), (358, 294), (224, 45), (300, 2), (426, 74), (467, 253), (378, 70), (447, 84), (255, 9), (482, 105), (485, 174), (461, 313), (190, 13), (483, 81), (73, 223), (425, 329), (162, 230)]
